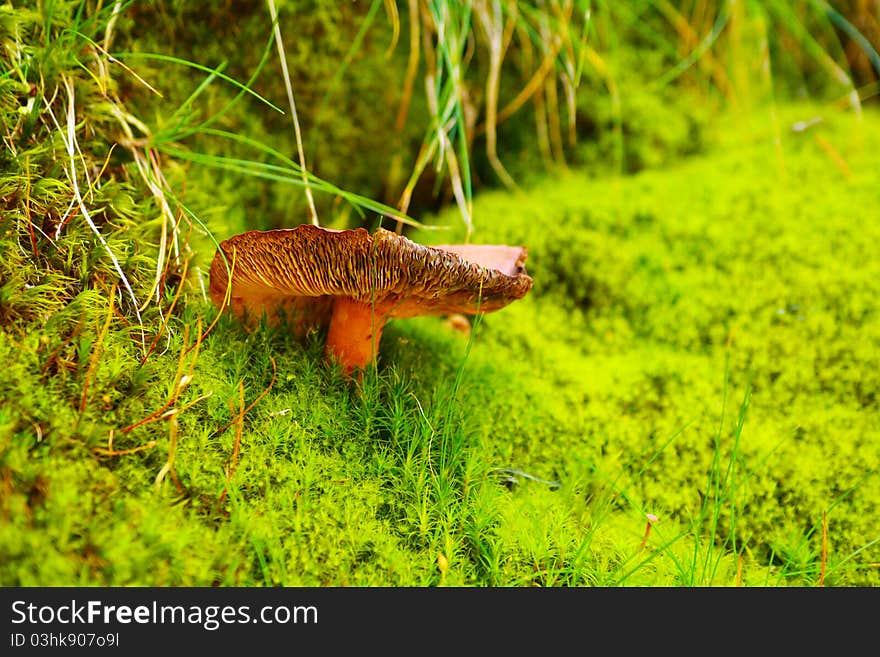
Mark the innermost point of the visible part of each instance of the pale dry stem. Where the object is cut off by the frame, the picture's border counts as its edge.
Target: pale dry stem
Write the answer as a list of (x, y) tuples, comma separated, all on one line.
[(72, 147), (288, 85)]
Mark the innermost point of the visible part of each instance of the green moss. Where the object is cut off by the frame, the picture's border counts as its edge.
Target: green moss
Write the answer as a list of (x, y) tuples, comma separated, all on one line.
[(645, 287), (609, 378), (700, 344)]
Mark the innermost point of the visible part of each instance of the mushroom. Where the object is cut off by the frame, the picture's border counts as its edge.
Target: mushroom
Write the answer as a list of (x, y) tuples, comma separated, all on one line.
[(355, 282)]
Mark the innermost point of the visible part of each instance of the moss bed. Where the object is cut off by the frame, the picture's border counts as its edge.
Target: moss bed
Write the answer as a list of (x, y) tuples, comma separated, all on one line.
[(701, 344)]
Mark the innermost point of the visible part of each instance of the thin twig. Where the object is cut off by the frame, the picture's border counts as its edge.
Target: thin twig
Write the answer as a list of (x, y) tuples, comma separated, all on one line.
[(412, 66), (167, 318), (493, 24), (259, 397), (96, 353), (110, 451), (108, 31), (313, 213), (394, 17), (236, 446), (172, 451), (145, 172), (535, 83), (181, 379), (27, 207), (227, 295)]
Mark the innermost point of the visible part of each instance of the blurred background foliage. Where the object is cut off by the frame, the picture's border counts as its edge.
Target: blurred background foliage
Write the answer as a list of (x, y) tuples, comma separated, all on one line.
[(420, 103)]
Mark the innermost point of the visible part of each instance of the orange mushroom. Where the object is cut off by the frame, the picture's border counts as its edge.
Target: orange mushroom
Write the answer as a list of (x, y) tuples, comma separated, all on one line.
[(355, 282)]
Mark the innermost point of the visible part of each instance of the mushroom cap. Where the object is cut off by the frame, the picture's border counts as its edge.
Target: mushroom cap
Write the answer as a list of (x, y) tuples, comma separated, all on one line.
[(301, 270)]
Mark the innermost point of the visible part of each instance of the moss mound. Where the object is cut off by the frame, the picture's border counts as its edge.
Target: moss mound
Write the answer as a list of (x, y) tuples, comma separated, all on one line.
[(722, 309), (699, 345)]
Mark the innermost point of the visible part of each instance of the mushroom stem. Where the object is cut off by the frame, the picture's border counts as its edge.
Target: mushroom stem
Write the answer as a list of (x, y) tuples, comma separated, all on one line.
[(354, 333)]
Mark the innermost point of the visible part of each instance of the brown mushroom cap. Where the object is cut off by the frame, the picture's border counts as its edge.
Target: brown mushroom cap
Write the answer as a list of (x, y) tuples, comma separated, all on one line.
[(308, 272)]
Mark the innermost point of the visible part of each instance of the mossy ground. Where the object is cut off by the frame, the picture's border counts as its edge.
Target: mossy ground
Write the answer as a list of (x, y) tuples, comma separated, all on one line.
[(701, 344)]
